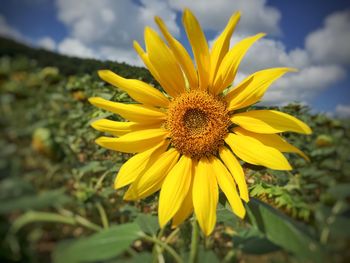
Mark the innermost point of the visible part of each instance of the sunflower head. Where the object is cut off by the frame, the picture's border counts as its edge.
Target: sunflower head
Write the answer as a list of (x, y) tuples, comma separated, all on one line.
[(187, 136), (198, 123)]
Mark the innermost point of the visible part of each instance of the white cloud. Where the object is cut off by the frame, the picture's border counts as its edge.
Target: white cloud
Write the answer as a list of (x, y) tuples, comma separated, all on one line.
[(256, 14), (47, 43), (267, 53), (312, 78), (304, 85), (342, 111), (8, 31), (108, 27), (73, 47), (331, 44), (121, 55)]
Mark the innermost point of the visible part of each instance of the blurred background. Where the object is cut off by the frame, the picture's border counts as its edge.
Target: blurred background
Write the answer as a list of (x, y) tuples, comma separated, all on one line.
[(56, 184)]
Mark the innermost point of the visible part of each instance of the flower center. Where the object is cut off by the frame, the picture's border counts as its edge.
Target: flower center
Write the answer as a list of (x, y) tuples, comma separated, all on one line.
[(198, 123)]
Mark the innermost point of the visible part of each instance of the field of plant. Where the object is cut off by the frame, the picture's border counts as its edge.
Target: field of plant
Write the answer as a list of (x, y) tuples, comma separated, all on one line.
[(57, 202)]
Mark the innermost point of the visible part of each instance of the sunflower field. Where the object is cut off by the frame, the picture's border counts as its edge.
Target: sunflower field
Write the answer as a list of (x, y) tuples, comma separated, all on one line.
[(58, 204)]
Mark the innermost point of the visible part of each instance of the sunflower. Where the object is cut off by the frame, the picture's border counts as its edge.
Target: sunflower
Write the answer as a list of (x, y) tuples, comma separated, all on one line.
[(187, 137)]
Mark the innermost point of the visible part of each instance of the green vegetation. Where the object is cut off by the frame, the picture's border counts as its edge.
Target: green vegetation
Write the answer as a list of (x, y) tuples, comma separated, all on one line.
[(57, 201)]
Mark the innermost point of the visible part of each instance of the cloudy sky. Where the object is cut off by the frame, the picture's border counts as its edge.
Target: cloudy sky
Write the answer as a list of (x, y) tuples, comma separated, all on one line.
[(313, 36)]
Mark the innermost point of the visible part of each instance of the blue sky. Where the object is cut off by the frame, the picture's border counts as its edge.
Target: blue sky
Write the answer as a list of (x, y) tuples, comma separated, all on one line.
[(310, 35)]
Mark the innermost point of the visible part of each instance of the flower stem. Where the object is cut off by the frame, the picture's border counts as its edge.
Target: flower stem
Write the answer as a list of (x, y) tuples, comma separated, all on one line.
[(166, 247), (194, 242)]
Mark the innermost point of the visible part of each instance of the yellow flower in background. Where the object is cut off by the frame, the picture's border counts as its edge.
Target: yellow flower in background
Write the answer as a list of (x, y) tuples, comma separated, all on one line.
[(187, 138)]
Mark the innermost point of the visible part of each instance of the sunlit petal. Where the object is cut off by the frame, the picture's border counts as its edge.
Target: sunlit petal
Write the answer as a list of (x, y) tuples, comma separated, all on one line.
[(253, 88), (134, 142), (205, 195), (181, 55), (273, 140), (269, 121), (138, 90), (151, 180), (236, 170), (228, 186), (137, 164), (174, 190), (253, 151), (199, 47)]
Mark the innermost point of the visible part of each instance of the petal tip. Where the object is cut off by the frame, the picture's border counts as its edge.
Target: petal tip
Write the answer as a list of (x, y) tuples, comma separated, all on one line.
[(93, 100), (94, 124), (102, 73), (101, 140), (292, 70), (162, 222), (158, 20), (241, 214), (245, 198), (260, 35)]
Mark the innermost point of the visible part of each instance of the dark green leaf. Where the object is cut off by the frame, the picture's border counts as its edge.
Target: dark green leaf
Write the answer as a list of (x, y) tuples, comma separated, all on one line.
[(148, 223), (104, 245), (251, 241), (340, 191), (284, 232), (42, 200)]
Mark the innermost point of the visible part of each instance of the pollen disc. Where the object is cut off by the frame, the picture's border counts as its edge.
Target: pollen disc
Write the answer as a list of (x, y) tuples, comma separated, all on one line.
[(198, 123)]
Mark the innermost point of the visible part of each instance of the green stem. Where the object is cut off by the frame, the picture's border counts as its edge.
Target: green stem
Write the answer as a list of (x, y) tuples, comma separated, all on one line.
[(156, 249), (103, 215), (86, 223), (172, 235), (229, 256), (194, 242), (169, 249)]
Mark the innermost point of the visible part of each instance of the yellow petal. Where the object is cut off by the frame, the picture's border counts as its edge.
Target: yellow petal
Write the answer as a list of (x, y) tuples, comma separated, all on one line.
[(132, 112), (228, 186), (253, 88), (138, 90), (145, 58), (185, 210), (230, 63), (199, 46), (269, 121), (236, 170), (119, 128), (137, 164), (253, 151), (151, 180), (174, 190), (164, 61), (205, 196), (134, 142), (181, 54), (272, 140), (221, 45)]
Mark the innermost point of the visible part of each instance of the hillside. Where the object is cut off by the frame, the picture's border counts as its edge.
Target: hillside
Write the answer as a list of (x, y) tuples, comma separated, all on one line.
[(68, 65)]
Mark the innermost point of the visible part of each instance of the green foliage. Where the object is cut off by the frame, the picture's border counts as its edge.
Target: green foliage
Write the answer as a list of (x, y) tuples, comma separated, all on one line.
[(283, 232), (104, 245), (57, 201), (42, 200)]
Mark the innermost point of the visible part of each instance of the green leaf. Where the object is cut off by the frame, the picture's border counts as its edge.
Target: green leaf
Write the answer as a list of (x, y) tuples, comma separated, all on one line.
[(32, 217), (340, 191), (340, 227), (226, 216), (148, 223), (252, 241), (104, 245), (284, 232), (41, 200), (207, 256)]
